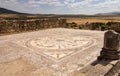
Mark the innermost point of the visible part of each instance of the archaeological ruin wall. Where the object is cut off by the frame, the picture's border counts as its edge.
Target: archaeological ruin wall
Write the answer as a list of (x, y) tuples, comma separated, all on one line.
[(102, 26), (10, 26)]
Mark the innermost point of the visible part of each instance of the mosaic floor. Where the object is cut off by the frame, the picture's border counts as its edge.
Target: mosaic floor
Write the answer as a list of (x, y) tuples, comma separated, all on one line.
[(62, 51)]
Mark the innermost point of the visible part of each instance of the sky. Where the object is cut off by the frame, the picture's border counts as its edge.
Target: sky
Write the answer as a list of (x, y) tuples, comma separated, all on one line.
[(62, 6)]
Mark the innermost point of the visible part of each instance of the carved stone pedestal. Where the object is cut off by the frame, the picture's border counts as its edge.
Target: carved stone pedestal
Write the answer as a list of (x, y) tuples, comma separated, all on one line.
[(109, 54), (111, 49)]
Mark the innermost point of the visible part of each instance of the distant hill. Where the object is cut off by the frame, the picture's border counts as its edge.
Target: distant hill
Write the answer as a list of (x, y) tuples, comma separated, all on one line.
[(116, 13), (110, 13), (7, 11)]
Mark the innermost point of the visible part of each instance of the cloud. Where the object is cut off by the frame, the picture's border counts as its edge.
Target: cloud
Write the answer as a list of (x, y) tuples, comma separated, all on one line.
[(107, 6), (62, 6), (17, 5), (46, 2), (68, 1), (94, 6), (90, 3), (80, 3), (108, 3)]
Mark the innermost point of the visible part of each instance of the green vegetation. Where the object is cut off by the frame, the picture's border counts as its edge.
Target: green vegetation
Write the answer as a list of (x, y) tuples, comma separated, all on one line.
[(71, 25)]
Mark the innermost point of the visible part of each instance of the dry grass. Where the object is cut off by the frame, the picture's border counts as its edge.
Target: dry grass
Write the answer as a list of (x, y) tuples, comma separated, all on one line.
[(79, 21), (8, 15), (94, 19)]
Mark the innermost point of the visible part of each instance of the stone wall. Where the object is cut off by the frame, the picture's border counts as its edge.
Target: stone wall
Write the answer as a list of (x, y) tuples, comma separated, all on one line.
[(114, 26), (102, 26), (10, 26)]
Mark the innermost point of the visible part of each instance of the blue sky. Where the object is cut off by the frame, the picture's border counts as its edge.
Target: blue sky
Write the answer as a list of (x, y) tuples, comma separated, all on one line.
[(62, 6)]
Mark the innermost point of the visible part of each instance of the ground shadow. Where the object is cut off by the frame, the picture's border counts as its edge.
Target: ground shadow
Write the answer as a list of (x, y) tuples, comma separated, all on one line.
[(102, 62)]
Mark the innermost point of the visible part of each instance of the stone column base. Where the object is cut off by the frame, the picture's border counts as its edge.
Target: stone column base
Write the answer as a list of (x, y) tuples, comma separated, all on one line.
[(109, 54)]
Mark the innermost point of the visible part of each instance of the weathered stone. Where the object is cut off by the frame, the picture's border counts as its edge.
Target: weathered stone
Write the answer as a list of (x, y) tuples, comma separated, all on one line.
[(10, 26), (111, 49), (54, 52)]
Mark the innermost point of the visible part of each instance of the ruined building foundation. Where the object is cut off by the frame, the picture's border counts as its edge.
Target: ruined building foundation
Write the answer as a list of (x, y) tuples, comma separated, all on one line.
[(53, 52)]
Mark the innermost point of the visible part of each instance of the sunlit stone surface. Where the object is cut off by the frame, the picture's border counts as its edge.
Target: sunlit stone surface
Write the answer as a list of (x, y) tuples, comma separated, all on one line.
[(60, 46), (60, 51), (60, 42)]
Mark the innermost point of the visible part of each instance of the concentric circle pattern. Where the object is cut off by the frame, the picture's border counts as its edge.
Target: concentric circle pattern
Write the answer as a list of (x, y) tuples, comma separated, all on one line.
[(60, 42)]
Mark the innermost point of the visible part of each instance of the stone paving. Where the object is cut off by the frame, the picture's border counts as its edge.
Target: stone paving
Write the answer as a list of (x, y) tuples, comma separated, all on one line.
[(61, 50)]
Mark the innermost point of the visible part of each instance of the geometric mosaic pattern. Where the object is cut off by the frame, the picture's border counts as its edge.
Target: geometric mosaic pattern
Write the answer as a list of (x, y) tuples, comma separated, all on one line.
[(61, 50), (59, 46)]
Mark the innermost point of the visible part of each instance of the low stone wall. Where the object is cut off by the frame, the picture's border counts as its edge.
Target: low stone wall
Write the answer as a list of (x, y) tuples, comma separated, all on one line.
[(102, 26), (91, 26), (10, 26), (114, 26)]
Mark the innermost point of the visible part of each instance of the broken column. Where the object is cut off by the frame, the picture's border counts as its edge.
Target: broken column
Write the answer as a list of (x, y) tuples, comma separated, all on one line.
[(111, 49)]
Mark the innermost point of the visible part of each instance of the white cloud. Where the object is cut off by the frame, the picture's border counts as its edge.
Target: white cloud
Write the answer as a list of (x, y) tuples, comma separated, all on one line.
[(107, 6), (46, 2), (62, 6), (17, 6), (108, 3), (82, 3), (88, 6), (68, 1), (74, 4)]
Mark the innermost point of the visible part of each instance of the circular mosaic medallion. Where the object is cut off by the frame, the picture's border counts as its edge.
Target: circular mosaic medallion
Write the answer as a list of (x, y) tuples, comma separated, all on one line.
[(60, 42)]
